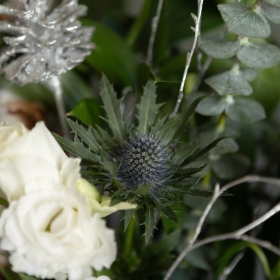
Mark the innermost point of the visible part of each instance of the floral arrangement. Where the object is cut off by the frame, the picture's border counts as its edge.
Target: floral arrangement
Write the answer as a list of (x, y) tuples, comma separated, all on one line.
[(136, 179)]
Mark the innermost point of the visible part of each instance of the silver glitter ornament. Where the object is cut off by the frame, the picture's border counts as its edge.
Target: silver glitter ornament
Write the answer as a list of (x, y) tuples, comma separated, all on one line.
[(44, 43)]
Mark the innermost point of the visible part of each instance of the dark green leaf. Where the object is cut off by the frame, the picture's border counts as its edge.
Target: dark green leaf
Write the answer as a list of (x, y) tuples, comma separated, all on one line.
[(86, 135), (4, 202), (245, 110), (149, 222), (225, 146), (147, 108), (259, 56), (225, 166), (211, 106), (27, 277), (219, 49), (203, 193), (87, 111), (244, 20), (112, 108), (9, 274), (111, 55)]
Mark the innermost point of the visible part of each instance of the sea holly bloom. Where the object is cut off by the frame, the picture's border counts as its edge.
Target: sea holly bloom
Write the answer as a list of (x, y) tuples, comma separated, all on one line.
[(44, 42), (147, 164)]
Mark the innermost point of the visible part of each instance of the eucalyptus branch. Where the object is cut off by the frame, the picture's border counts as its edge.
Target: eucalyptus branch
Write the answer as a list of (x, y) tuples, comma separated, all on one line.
[(239, 234), (196, 29), (227, 270), (155, 22)]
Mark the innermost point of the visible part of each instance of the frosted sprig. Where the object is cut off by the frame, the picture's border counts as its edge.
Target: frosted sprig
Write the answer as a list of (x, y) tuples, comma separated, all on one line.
[(44, 42)]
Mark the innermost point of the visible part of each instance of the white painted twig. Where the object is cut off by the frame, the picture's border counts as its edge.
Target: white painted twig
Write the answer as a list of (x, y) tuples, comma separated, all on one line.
[(239, 234), (196, 29), (154, 26)]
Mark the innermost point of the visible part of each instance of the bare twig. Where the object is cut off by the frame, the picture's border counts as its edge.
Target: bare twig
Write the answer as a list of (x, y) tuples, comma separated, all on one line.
[(199, 54), (227, 270), (239, 234), (155, 21), (196, 30)]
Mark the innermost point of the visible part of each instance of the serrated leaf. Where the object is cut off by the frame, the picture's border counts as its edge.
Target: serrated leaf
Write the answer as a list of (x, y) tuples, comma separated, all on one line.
[(225, 166), (128, 215), (147, 108), (86, 135), (245, 110), (230, 83), (275, 3), (149, 222), (76, 148), (219, 49), (203, 193), (259, 56), (271, 13), (112, 108), (87, 111), (211, 106), (244, 20)]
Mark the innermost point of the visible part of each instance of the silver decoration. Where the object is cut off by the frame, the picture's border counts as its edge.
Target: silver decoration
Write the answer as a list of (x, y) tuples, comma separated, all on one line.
[(44, 44)]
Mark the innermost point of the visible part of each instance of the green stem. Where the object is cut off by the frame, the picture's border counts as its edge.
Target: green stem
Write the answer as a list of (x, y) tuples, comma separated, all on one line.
[(222, 123), (129, 237), (138, 24)]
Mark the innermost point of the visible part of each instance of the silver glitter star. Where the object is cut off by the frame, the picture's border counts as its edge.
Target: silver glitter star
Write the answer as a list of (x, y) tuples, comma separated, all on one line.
[(44, 42)]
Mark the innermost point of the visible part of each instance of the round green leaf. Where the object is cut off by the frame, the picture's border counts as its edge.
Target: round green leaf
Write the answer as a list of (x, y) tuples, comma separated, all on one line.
[(271, 13), (226, 146), (211, 106), (219, 49), (230, 83), (259, 56), (274, 2), (249, 74), (231, 166), (244, 20), (245, 110)]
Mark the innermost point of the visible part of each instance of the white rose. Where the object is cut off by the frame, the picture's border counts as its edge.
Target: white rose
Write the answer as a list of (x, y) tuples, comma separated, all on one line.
[(31, 155), (10, 133), (50, 233)]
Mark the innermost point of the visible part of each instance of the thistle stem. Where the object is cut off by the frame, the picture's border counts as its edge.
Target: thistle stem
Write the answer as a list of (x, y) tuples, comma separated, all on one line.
[(55, 85), (129, 237)]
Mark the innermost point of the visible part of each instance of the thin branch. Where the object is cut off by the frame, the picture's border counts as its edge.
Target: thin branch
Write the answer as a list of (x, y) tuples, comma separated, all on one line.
[(197, 20), (233, 235), (199, 53), (227, 270), (155, 22)]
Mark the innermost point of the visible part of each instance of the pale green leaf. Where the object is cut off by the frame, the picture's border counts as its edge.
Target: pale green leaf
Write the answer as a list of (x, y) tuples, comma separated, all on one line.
[(249, 74), (211, 106), (86, 135), (244, 20), (271, 13), (275, 3), (149, 222), (245, 110), (230, 83), (259, 55), (112, 108), (219, 49), (147, 108)]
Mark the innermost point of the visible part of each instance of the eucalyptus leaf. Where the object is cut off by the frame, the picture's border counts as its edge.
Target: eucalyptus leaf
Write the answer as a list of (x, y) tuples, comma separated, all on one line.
[(230, 83), (275, 3), (112, 108), (225, 167), (87, 111), (147, 108), (219, 49), (245, 110), (244, 20), (225, 146), (271, 13), (211, 106), (259, 55), (249, 74)]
